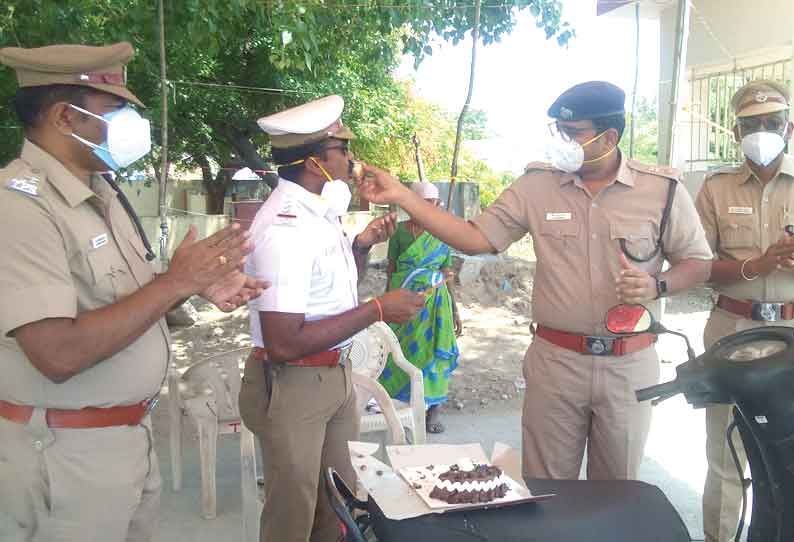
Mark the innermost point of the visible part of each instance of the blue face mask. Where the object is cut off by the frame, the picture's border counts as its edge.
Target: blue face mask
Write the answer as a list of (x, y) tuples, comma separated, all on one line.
[(129, 137)]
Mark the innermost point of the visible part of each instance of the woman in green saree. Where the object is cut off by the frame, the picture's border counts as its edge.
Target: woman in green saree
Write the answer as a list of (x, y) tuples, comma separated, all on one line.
[(420, 262)]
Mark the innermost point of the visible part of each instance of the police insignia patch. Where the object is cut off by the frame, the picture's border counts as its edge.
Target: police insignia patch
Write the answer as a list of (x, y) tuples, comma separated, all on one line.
[(29, 185)]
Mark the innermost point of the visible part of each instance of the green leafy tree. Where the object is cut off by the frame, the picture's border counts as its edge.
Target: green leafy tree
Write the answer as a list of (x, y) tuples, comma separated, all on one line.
[(310, 48), (646, 132), (435, 129)]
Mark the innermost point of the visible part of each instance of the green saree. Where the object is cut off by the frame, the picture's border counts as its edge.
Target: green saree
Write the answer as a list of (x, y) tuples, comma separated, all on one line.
[(428, 341)]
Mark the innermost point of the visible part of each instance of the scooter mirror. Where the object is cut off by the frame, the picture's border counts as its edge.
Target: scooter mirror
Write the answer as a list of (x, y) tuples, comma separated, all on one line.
[(628, 319)]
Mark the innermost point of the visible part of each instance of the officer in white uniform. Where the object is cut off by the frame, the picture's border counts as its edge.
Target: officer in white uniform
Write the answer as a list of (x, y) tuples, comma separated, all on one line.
[(297, 395)]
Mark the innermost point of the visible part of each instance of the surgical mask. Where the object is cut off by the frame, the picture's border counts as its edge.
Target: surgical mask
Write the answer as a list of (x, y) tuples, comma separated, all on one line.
[(335, 192), (763, 147), (568, 156), (129, 137)]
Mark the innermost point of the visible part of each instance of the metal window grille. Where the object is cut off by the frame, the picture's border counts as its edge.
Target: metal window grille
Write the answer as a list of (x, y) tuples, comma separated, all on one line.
[(711, 127)]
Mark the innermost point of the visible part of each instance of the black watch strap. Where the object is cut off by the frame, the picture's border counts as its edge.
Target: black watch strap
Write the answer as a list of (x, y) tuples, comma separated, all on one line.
[(661, 286)]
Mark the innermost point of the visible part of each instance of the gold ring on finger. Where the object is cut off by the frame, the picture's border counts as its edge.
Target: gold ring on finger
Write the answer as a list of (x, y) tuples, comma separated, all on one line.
[(222, 260)]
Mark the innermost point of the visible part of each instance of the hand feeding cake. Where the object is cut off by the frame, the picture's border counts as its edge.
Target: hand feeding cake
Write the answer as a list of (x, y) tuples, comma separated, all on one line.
[(466, 483)]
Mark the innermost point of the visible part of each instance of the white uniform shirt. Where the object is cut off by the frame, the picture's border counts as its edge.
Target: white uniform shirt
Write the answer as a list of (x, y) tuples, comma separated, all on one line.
[(304, 253)]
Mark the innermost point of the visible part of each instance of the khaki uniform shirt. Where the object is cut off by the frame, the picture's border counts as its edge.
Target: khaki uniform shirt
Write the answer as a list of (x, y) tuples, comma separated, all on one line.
[(576, 236), (742, 217), (67, 249)]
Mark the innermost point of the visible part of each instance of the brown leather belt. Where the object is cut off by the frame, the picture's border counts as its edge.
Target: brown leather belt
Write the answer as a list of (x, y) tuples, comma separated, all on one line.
[(84, 418), (596, 346), (328, 358), (756, 310)]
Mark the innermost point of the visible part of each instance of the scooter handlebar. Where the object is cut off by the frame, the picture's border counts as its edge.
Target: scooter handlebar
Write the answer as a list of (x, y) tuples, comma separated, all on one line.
[(666, 389)]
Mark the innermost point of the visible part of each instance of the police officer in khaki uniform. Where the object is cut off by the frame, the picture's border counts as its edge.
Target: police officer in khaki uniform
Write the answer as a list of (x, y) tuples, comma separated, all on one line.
[(297, 395), (744, 211), (83, 344), (596, 223)]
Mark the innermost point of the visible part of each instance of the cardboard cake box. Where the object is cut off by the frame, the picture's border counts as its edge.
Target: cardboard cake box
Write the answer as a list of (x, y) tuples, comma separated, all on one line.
[(399, 500)]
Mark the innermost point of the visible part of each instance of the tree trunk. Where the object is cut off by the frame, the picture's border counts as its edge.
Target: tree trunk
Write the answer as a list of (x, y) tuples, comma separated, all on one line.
[(216, 191), (241, 141)]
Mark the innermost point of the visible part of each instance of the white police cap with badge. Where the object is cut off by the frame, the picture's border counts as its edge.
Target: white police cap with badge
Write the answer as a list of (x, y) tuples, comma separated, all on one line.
[(307, 123)]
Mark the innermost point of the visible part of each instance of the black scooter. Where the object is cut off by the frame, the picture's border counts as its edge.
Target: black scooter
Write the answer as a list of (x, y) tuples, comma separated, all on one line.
[(754, 371)]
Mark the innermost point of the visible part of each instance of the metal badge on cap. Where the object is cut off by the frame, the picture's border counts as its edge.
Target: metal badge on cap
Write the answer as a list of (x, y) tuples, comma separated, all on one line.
[(760, 97)]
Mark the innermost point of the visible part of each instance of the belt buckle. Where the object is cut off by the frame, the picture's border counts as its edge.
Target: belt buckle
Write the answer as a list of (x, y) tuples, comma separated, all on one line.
[(344, 355), (767, 312), (599, 346), (152, 403)]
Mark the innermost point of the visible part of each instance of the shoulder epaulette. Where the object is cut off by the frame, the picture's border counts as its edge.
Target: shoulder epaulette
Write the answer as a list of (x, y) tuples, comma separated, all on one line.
[(538, 166), (20, 177), (662, 171), (730, 170)]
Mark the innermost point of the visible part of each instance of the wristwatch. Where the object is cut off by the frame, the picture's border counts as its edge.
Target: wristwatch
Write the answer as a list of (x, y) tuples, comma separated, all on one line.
[(661, 286)]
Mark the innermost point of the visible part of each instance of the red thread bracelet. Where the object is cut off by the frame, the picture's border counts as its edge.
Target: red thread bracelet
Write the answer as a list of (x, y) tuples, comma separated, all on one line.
[(380, 308)]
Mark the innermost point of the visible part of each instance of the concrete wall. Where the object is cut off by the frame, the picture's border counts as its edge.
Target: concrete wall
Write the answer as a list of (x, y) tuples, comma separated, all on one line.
[(180, 195), (178, 226), (353, 223)]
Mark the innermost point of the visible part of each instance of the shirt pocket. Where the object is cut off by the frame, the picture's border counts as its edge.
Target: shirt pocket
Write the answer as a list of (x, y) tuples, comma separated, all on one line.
[(737, 231), (107, 275), (635, 238), (557, 244), (560, 230)]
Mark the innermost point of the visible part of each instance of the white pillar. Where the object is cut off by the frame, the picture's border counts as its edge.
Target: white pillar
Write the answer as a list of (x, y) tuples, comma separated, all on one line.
[(669, 107)]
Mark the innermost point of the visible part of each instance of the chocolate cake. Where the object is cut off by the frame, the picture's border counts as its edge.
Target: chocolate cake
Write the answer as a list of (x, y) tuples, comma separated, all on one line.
[(467, 483)]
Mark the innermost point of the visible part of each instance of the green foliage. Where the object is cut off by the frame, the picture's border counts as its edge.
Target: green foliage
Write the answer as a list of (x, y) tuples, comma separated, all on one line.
[(310, 47), (474, 125), (435, 129), (646, 132)]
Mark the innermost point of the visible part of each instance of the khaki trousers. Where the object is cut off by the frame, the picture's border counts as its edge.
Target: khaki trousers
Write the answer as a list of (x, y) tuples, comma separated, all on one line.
[(722, 494), (81, 485), (573, 400), (303, 423)]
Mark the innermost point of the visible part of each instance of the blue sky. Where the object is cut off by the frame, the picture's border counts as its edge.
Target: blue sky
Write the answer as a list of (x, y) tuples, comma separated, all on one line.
[(520, 77)]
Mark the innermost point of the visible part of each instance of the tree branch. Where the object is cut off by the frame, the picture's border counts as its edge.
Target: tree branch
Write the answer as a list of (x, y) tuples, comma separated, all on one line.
[(241, 141)]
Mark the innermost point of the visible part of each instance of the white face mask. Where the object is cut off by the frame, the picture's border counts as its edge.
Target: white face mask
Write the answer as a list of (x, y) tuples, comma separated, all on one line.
[(763, 147), (129, 137), (337, 194), (568, 156)]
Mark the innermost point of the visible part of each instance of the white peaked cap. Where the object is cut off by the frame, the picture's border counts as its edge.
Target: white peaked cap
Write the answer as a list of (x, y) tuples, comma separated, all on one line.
[(307, 123)]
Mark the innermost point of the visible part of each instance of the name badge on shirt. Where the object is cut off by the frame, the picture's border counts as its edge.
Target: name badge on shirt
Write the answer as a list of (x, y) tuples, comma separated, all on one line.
[(740, 210), (558, 216), (99, 241)]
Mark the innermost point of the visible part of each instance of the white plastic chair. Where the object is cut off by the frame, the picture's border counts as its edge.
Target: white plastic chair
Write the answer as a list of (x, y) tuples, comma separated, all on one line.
[(207, 394), (253, 497), (370, 351)]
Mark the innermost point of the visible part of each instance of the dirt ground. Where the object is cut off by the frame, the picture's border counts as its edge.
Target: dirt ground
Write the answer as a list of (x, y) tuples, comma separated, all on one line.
[(496, 313)]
